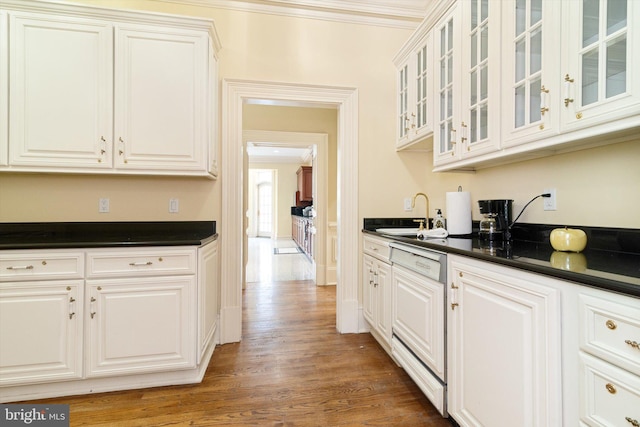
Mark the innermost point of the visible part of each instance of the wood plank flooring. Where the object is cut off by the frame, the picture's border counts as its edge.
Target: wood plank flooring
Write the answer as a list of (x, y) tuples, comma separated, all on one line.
[(291, 369)]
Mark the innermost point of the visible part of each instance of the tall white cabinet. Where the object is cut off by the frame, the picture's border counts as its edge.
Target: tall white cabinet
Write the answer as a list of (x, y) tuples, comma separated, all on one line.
[(96, 90)]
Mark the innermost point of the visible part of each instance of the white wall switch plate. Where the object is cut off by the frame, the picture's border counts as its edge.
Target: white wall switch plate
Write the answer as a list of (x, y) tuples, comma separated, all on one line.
[(174, 205), (103, 205)]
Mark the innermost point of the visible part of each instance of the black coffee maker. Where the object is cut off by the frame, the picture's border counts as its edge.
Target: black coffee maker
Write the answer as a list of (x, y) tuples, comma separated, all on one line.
[(497, 217)]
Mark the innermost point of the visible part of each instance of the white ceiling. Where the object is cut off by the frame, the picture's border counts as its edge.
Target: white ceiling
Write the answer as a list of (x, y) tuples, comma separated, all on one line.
[(263, 152)]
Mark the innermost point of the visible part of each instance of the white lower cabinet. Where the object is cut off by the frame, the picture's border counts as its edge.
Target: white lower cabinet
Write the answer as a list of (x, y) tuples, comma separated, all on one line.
[(140, 325), (376, 289), (40, 331), (504, 340), (137, 317), (608, 356)]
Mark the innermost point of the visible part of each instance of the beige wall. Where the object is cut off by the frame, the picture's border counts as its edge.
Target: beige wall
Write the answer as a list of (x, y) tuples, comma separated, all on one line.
[(284, 186), (595, 187), (311, 120)]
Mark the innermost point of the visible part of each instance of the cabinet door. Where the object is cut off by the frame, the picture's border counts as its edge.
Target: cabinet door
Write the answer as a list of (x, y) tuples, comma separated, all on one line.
[(161, 93), (383, 301), (447, 92), (141, 325), (60, 92), (4, 89), (480, 89), (403, 120), (368, 289), (40, 331), (531, 59), (600, 83), (503, 346), (208, 295)]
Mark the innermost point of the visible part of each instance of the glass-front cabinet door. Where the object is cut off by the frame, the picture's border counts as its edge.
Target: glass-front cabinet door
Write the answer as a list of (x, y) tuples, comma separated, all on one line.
[(403, 120), (601, 62), (447, 92), (530, 58), (480, 126), (414, 116)]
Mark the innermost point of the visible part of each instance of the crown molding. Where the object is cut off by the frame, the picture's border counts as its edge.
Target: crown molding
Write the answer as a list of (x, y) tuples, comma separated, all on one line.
[(377, 13)]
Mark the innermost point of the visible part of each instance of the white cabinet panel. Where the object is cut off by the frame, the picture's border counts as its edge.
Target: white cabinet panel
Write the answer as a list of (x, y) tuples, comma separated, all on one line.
[(141, 325), (40, 331), (41, 265), (4, 89), (420, 324), (503, 346), (140, 262), (599, 63), (208, 295), (60, 91), (161, 98), (609, 396)]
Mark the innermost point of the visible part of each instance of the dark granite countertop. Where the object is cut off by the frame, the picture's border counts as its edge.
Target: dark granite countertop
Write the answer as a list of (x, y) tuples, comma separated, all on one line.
[(611, 260), (54, 235)]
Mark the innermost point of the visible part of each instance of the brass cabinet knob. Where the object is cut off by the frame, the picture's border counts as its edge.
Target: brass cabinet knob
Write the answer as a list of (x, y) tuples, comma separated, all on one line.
[(611, 324), (611, 388)]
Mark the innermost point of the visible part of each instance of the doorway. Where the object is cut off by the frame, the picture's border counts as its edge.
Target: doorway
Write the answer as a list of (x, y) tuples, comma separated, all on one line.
[(235, 94)]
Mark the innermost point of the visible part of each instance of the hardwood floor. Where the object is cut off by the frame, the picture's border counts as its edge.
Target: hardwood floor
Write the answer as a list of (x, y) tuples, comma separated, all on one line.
[(291, 369)]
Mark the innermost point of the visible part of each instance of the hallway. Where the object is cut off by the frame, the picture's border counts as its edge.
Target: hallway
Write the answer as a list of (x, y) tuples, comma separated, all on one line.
[(291, 369)]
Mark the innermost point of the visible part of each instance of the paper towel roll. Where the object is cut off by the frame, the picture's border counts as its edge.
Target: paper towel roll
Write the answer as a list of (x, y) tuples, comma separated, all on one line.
[(459, 213)]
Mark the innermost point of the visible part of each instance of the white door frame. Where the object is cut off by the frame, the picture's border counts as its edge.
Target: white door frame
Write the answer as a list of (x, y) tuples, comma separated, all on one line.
[(234, 94)]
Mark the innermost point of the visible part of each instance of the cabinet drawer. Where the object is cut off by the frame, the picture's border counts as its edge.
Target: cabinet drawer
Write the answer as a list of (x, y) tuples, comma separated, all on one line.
[(610, 329), (378, 248), (160, 262), (42, 265), (609, 396)]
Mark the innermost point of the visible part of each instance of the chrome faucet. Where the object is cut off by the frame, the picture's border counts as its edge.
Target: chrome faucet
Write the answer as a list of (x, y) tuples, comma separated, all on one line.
[(413, 205)]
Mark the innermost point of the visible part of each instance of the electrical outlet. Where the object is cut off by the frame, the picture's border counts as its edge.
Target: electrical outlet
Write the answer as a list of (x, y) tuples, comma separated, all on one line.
[(549, 202), (174, 205), (407, 204), (103, 206)]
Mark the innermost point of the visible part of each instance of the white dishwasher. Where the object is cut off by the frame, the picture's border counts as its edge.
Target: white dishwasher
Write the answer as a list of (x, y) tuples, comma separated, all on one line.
[(418, 318)]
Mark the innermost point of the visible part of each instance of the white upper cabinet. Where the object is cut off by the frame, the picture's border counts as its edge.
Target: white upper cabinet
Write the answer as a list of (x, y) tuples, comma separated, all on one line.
[(415, 84), (520, 79), (468, 83), (530, 83), (600, 62), (60, 91), (96, 90), (4, 89), (160, 98), (447, 92)]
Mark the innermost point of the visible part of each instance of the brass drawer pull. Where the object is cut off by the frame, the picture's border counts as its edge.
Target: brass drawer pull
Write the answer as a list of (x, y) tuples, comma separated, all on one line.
[(633, 422), (633, 344), (611, 324), (610, 388)]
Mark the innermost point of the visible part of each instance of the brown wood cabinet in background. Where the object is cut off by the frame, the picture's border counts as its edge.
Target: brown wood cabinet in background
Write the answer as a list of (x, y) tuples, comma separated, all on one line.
[(305, 183)]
